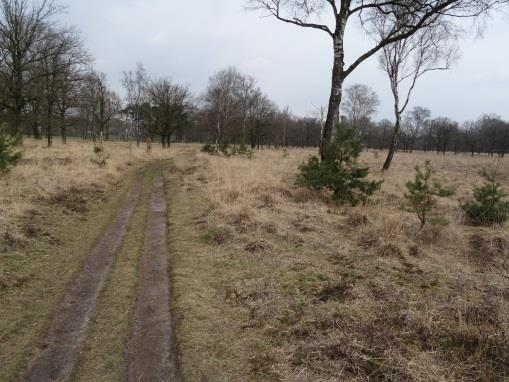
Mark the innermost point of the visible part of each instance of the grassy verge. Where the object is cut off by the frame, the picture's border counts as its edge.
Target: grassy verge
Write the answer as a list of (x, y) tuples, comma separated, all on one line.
[(102, 358), (272, 282), (36, 270), (210, 341)]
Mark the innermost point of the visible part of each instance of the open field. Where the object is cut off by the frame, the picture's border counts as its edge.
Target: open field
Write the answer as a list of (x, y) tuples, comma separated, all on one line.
[(274, 282), (269, 281)]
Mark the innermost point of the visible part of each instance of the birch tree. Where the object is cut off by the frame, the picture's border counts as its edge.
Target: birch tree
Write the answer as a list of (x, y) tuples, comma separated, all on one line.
[(405, 61), (222, 100), (360, 104), (135, 84), (416, 14)]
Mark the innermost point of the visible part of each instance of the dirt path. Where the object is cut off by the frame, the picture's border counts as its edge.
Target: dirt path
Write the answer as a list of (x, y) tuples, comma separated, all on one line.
[(66, 333), (150, 355)]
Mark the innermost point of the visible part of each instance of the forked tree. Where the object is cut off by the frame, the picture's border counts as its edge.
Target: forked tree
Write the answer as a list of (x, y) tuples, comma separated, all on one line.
[(405, 61), (405, 17)]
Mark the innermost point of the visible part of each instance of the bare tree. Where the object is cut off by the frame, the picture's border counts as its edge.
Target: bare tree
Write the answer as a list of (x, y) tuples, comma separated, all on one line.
[(360, 104), (63, 59), (22, 24), (442, 132), (135, 84), (222, 100), (414, 124), (262, 116), (167, 108), (247, 97), (406, 17), (405, 61), (98, 105)]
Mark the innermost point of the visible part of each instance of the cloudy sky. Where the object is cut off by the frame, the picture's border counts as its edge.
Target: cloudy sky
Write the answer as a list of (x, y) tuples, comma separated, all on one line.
[(190, 40)]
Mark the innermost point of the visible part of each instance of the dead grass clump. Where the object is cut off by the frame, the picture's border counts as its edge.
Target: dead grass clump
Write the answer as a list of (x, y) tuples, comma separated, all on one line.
[(239, 218), (13, 281), (50, 161), (77, 199), (217, 235), (487, 249), (337, 291), (262, 363), (367, 241), (266, 201), (302, 227), (231, 196), (352, 356), (356, 219), (430, 234), (414, 250), (304, 195), (12, 241), (390, 250), (269, 227), (258, 246)]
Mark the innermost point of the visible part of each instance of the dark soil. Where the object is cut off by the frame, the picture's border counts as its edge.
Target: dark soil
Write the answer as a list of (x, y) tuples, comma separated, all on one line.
[(56, 356), (150, 354)]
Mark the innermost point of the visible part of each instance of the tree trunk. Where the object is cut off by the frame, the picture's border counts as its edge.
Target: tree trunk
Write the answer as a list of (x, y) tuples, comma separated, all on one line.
[(397, 125), (63, 130), (335, 94), (49, 121), (394, 143)]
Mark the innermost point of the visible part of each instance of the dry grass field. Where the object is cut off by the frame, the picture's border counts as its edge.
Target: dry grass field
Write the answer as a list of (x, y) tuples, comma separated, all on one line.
[(273, 282), (270, 281)]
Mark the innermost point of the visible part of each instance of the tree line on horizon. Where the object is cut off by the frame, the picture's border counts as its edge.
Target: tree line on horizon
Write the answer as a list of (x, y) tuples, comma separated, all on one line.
[(49, 86)]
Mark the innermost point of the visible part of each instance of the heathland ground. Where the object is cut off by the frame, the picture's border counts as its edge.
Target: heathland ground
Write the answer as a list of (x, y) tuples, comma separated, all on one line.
[(268, 281)]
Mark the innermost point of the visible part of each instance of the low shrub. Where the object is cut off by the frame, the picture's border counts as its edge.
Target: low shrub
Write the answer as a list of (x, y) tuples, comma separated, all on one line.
[(339, 171), (489, 206), (9, 157), (421, 195), (100, 156), (227, 150)]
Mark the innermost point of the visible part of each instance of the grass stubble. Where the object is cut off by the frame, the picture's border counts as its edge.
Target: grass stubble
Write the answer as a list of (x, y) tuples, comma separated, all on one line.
[(270, 282), (273, 282)]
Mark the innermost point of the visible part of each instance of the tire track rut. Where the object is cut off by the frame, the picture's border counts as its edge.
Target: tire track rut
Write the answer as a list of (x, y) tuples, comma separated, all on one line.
[(150, 355), (67, 330)]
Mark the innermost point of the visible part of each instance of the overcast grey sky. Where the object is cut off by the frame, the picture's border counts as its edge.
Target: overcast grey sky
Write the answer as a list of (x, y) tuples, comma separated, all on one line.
[(190, 40)]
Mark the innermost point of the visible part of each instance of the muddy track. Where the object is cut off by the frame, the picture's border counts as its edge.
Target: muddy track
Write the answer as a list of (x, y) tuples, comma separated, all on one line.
[(150, 354), (67, 331)]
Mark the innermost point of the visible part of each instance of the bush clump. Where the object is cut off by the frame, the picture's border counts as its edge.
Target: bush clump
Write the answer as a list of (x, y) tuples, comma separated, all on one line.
[(339, 171), (9, 157), (227, 150), (489, 206), (101, 156), (421, 195)]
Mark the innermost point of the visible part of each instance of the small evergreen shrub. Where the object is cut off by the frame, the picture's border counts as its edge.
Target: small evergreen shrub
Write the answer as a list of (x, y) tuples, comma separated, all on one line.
[(101, 157), (209, 148), (339, 171), (422, 193), (227, 150), (489, 206), (9, 157)]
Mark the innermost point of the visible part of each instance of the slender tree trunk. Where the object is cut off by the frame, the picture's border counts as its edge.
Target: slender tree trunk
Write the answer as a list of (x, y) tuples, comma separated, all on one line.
[(218, 136), (336, 91), (63, 130), (49, 120), (397, 127)]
